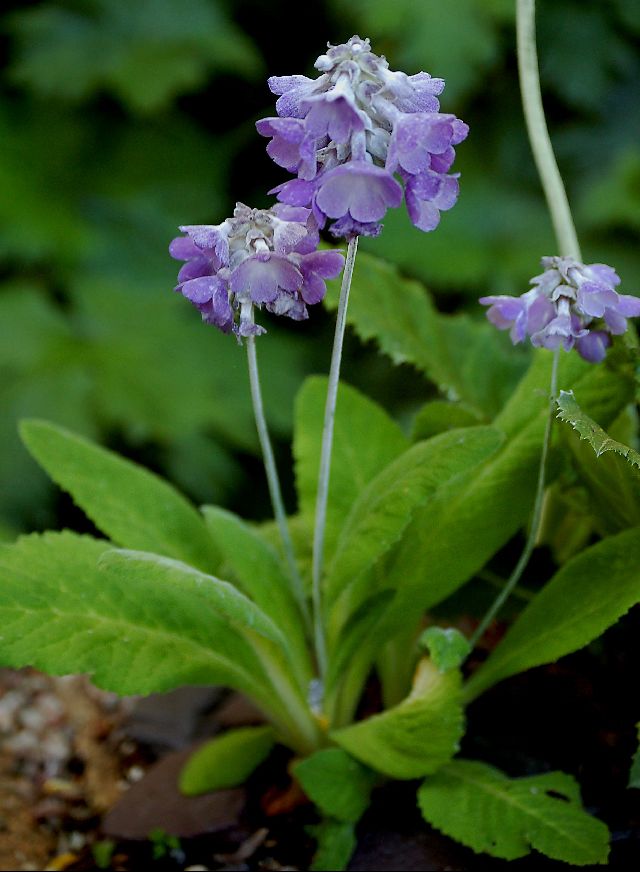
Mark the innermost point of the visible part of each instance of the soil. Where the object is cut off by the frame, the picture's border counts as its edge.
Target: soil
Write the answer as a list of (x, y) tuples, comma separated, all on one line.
[(88, 781)]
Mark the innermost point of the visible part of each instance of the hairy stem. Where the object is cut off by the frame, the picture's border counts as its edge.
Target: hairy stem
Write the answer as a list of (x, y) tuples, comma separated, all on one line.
[(273, 480), (325, 459), (539, 134), (534, 530)]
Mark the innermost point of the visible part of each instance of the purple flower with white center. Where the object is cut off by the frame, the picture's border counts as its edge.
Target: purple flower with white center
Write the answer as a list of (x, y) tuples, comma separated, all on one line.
[(352, 134), (258, 257), (567, 300)]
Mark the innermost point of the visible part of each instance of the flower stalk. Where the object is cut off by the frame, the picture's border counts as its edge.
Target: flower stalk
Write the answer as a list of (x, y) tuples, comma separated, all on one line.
[(325, 458)]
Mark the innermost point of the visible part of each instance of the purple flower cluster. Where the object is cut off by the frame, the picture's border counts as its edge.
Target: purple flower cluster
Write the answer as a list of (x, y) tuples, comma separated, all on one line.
[(259, 257), (348, 133), (561, 308)]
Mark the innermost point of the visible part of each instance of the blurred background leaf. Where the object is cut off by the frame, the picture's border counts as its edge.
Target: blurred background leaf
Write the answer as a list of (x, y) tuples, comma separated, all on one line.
[(119, 121)]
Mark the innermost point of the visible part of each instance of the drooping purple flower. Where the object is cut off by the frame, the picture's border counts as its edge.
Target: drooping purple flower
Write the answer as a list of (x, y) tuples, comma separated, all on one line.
[(568, 299), (350, 133), (258, 257)]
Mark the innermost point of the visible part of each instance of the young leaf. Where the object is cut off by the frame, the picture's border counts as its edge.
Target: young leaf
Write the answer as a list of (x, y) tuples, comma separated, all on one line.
[(484, 809), (587, 595), (60, 613), (366, 439), (385, 507), (336, 843), (415, 737), (259, 571), (134, 507), (599, 439), (336, 783), (227, 760), (447, 647)]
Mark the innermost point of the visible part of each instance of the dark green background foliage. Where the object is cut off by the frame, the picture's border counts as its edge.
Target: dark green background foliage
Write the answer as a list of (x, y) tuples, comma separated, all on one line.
[(118, 121)]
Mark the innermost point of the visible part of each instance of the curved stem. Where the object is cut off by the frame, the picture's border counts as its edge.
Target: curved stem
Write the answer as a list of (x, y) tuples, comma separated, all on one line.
[(325, 458), (539, 134), (514, 578), (272, 478)]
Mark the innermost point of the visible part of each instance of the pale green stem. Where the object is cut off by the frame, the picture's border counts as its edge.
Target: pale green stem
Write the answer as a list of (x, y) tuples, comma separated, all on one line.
[(534, 530), (273, 480), (539, 134), (325, 459)]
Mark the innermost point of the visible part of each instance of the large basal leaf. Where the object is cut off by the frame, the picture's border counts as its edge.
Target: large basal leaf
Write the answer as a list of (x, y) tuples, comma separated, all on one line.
[(385, 507), (134, 507), (337, 783), (465, 358), (260, 573), (61, 613), (457, 531), (585, 597), (227, 760), (599, 439), (365, 440), (415, 737), (491, 813)]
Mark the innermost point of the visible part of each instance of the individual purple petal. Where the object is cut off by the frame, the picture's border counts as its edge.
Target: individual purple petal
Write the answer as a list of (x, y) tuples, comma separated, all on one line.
[(297, 192), (287, 235), (615, 321), (193, 269), (201, 290), (336, 118), (261, 275), (628, 305), (183, 248), (358, 189), (217, 310), (593, 299), (210, 238), (593, 346), (292, 90), (415, 138), (602, 273), (315, 268)]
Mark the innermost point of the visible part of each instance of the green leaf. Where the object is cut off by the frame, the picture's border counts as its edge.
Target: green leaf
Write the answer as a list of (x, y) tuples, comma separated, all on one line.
[(336, 783), (448, 648), (485, 507), (482, 808), (599, 439), (61, 614), (336, 843), (415, 737), (261, 575), (131, 505), (143, 52), (437, 416), (585, 597), (466, 359), (365, 439), (227, 760), (385, 507), (139, 568), (634, 772)]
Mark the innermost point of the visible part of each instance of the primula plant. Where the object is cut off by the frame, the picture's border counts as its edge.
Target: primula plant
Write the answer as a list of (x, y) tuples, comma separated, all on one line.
[(300, 615)]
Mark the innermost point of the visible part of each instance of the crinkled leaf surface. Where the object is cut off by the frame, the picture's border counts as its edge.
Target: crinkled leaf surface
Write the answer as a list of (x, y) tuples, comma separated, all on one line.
[(491, 813), (447, 646), (587, 595), (136, 508), (485, 507), (337, 783), (415, 737), (599, 439), (385, 507), (61, 613), (260, 573), (365, 440), (227, 760)]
